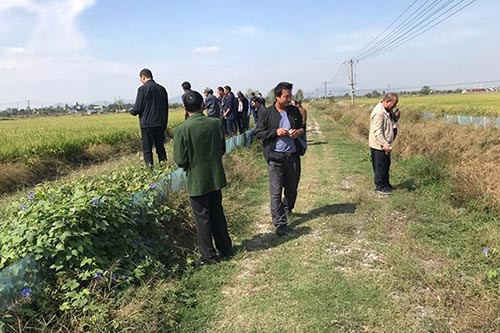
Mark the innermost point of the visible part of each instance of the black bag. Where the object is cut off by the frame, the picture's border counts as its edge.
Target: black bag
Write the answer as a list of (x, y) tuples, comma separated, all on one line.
[(301, 144)]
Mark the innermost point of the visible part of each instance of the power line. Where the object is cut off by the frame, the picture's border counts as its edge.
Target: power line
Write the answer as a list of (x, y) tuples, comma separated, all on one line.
[(404, 28), (420, 31), (379, 35)]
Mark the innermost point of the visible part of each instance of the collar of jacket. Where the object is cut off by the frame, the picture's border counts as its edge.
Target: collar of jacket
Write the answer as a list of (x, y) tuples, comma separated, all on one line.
[(195, 115)]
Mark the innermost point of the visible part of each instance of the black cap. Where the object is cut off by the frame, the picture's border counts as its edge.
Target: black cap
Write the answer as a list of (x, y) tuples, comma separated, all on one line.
[(193, 101)]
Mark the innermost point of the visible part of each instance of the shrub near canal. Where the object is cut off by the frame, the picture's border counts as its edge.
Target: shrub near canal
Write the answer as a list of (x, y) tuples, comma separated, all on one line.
[(94, 234)]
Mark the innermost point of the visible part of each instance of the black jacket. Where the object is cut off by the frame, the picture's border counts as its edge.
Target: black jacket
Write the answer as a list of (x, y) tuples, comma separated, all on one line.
[(269, 122), (151, 105)]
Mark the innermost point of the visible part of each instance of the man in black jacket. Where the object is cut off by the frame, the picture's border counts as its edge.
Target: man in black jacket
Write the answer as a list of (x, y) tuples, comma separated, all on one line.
[(278, 127), (151, 105)]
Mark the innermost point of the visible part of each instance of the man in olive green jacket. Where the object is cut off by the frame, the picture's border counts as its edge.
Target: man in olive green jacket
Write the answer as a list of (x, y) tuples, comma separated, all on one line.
[(198, 148)]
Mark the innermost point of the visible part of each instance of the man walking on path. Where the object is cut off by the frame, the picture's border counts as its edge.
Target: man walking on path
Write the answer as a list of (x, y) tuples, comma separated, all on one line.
[(151, 105), (278, 127), (198, 148), (381, 138)]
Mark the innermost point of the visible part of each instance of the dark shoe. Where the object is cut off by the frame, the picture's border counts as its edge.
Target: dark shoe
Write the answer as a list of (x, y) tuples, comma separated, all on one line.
[(282, 230), (384, 191), (226, 256), (391, 187), (289, 214)]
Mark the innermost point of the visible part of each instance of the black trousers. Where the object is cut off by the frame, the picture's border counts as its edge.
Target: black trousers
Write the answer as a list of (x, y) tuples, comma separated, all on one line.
[(240, 119), (153, 136), (381, 164), (211, 224), (284, 174)]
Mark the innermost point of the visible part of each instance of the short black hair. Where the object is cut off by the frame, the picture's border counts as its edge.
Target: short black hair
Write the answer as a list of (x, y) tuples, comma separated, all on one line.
[(220, 89), (193, 101), (278, 91), (186, 85), (146, 73), (228, 88)]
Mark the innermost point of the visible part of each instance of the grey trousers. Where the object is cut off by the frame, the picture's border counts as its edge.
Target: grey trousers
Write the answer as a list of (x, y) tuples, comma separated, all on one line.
[(284, 176)]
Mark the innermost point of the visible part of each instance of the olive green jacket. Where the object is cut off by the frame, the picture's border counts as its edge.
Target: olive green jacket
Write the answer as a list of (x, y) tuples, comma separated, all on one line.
[(198, 148)]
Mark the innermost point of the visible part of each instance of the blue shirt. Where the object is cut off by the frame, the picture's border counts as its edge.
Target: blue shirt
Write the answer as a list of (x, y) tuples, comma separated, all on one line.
[(285, 144)]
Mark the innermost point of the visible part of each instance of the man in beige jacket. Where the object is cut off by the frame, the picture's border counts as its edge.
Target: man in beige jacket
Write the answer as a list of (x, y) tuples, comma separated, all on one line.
[(381, 138)]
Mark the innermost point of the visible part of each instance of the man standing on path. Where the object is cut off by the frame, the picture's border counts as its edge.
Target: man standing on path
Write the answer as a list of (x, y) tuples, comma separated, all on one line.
[(198, 148), (278, 127), (211, 104), (381, 138), (186, 86), (230, 110), (151, 105)]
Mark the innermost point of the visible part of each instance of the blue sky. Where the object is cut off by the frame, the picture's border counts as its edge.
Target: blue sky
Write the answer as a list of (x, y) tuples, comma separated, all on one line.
[(92, 50)]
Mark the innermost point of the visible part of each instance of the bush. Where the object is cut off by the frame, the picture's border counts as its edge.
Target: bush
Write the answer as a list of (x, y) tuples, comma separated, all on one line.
[(93, 234)]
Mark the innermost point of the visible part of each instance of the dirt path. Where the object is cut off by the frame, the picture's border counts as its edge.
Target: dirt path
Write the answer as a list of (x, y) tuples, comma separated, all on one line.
[(351, 263)]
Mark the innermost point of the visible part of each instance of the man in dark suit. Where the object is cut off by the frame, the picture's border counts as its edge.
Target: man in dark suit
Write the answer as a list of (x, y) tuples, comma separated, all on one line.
[(198, 148), (279, 127), (211, 103), (151, 105), (230, 110)]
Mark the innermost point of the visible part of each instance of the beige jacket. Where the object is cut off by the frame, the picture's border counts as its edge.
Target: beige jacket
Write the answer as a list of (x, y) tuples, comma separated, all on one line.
[(381, 128)]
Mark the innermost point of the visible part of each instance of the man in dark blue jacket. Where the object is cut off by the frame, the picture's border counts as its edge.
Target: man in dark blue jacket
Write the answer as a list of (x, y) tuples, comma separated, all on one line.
[(279, 127), (211, 104), (151, 105), (229, 110)]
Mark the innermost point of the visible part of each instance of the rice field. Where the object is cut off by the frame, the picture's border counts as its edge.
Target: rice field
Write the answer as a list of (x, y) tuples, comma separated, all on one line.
[(487, 104), (67, 136)]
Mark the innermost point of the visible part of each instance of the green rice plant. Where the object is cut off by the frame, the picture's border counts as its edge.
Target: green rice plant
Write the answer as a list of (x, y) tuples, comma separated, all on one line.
[(67, 136)]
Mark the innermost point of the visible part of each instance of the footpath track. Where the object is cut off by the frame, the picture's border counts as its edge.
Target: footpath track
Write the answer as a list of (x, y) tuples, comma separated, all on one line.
[(350, 264)]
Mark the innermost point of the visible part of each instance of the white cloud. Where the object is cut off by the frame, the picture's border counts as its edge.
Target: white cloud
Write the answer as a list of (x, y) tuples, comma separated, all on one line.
[(52, 63), (206, 49)]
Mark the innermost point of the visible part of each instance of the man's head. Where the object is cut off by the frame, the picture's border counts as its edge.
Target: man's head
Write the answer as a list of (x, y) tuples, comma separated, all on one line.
[(390, 101), (145, 75), (220, 91), (255, 102), (227, 89), (208, 91), (193, 101), (283, 94), (186, 86)]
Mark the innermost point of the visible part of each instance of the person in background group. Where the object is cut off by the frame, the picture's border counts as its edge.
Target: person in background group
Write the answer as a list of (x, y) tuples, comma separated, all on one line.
[(381, 138), (303, 111), (262, 99), (230, 110), (186, 86), (151, 105), (211, 103), (198, 148), (221, 97), (257, 108), (242, 112), (278, 127)]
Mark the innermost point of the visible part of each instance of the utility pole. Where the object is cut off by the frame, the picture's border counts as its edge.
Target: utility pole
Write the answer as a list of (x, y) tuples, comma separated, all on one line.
[(325, 83), (351, 77)]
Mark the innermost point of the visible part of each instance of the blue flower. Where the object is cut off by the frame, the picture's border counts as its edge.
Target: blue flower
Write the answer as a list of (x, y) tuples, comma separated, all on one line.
[(153, 186), (22, 207), (98, 275), (485, 251), (26, 292), (136, 242), (31, 196), (113, 277), (95, 201)]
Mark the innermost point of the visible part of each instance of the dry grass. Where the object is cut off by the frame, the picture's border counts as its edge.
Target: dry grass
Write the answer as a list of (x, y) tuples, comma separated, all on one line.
[(472, 155)]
